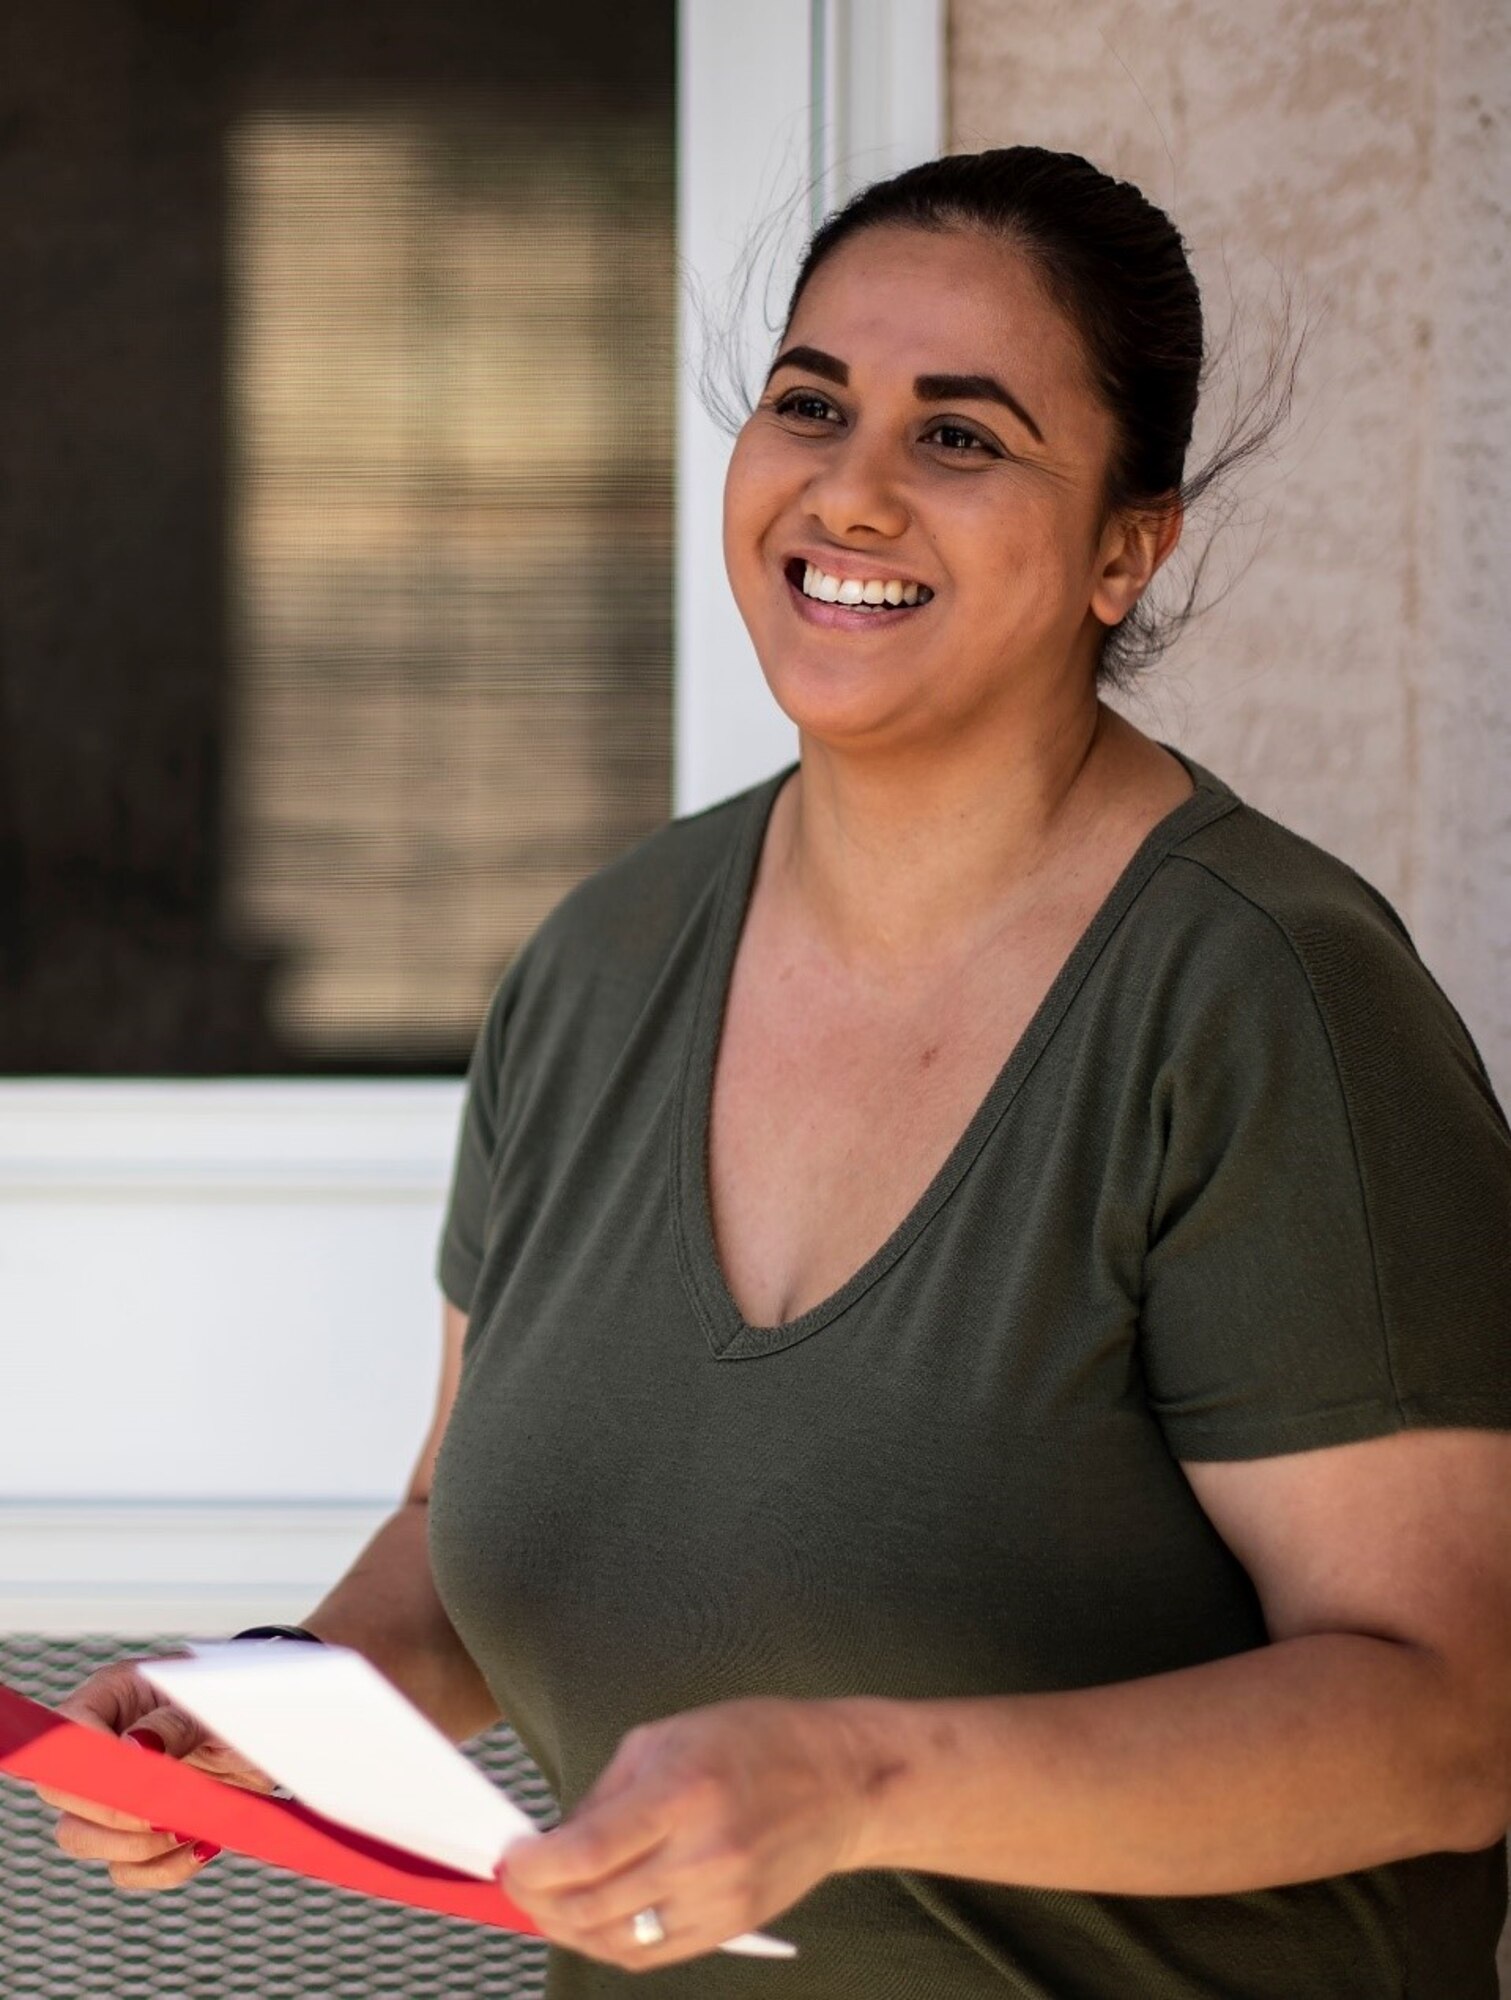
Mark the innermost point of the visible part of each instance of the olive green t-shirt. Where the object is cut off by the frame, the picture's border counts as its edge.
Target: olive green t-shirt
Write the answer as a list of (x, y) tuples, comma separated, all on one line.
[(1241, 1188)]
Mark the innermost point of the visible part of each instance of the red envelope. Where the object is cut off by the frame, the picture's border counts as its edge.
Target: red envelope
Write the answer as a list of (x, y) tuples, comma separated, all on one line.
[(42, 1747)]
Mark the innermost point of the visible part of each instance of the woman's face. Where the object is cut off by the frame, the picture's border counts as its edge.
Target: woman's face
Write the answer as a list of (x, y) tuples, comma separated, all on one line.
[(927, 423)]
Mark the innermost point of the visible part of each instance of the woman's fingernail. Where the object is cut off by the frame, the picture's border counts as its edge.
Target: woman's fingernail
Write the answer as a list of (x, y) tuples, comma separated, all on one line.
[(172, 1834), (205, 1850), (148, 1739)]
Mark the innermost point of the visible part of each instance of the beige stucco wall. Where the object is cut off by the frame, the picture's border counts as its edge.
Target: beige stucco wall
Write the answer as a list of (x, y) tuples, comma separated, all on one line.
[(1354, 683)]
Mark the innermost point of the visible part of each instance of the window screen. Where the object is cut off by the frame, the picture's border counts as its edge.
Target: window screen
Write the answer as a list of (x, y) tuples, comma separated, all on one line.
[(336, 426)]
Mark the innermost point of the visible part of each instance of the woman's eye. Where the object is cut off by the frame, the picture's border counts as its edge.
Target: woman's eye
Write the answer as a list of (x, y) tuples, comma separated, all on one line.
[(805, 403), (960, 442)]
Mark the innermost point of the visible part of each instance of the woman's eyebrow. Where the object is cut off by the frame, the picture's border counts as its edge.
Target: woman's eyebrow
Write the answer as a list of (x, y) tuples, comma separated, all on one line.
[(815, 361), (927, 388), (972, 388)]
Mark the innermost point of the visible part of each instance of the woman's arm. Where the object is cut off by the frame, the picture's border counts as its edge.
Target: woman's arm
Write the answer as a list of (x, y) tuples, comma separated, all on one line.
[(1376, 1726), (386, 1605)]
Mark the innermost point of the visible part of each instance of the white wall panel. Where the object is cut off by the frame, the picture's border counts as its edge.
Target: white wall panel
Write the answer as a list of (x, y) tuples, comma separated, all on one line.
[(221, 1290)]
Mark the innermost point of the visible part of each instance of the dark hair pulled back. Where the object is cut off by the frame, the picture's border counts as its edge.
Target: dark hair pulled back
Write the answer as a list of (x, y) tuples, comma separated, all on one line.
[(1116, 267)]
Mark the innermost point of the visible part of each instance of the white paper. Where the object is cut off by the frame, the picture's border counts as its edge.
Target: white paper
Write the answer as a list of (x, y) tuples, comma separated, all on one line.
[(325, 1724), (341, 1738)]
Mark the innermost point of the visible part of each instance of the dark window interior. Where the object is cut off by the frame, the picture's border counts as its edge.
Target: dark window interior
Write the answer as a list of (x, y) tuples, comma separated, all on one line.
[(337, 373)]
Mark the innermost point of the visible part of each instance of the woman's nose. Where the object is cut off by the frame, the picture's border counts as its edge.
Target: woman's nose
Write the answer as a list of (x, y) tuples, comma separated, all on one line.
[(857, 490)]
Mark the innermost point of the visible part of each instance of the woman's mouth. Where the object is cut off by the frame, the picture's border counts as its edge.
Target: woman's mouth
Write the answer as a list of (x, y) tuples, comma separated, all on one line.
[(852, 602)]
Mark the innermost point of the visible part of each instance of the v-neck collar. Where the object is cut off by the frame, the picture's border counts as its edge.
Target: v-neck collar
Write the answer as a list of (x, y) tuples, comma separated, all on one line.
[(730, 1336)]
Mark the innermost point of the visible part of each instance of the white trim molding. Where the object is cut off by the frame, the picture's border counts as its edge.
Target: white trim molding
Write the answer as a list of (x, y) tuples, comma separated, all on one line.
[(227, 1139), (67, 1569), (878, 93), (743, 150)]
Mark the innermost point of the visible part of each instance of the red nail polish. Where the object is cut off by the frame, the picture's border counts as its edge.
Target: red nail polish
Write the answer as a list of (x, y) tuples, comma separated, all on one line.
[(148, 1740), (205, 1850)]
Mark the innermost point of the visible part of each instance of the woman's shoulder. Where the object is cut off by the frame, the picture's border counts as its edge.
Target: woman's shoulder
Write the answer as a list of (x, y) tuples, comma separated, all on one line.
[(1232, 897), (1263, 920), (1301, 889)]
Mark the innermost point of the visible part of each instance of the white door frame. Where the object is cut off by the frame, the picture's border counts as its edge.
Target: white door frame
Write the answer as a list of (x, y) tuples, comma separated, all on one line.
[(768, 144), (219, 1316)]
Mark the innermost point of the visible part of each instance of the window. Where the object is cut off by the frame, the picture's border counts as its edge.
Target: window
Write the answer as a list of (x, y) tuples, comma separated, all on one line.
[(336, 574)]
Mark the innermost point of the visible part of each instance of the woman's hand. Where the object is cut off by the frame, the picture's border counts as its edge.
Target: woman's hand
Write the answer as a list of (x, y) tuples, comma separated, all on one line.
[(118, 1701), (717, 1820)]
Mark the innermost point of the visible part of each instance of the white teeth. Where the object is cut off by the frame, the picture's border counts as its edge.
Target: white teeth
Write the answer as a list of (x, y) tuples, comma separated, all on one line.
[(851, 590)]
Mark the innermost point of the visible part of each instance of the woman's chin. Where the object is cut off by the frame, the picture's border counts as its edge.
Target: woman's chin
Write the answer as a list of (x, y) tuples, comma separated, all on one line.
[(842, 703)]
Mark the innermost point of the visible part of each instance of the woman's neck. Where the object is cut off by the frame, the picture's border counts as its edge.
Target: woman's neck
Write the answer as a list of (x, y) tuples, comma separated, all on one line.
[(893, 862)]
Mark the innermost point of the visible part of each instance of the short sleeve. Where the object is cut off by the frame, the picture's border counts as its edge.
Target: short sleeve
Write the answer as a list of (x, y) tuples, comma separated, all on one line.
[(1329, 1252), (459, 1254)]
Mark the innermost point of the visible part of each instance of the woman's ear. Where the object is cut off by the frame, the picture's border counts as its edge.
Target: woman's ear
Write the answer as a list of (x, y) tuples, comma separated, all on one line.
[(1134, 545)]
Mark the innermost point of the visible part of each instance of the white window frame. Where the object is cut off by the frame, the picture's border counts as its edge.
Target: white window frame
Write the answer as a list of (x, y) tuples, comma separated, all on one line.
[(121, 1520), (765, 134)]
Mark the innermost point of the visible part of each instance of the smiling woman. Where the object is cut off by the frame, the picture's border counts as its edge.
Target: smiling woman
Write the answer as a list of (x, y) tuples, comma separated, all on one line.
[(975, 1427), (1028, 1345)]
